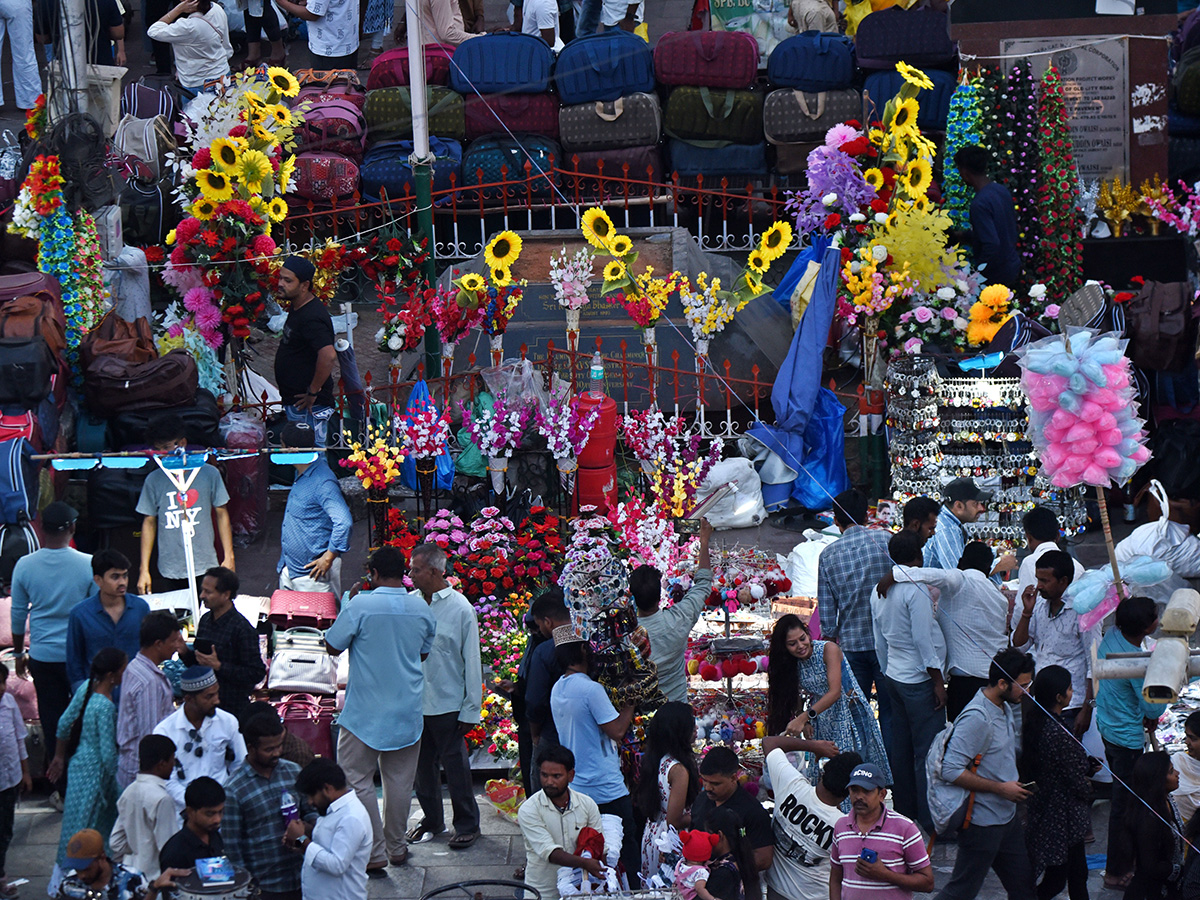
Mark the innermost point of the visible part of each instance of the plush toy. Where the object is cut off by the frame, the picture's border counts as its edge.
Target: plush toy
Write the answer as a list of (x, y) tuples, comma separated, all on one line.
[(591, 844), (693, 866)]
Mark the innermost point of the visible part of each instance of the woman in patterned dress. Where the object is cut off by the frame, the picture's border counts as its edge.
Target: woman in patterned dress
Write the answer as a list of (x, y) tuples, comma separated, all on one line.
[(669, 780), (87, 736), (838, 711)]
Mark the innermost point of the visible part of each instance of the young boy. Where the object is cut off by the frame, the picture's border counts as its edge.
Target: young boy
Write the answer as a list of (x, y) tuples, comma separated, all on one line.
[(14, 771), (165, 508), (146, 816), (200, 837)]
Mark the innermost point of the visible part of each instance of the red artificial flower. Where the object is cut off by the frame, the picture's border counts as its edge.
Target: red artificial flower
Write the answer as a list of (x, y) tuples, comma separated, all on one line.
[(854, 123), (856, 147), (394, 245), (202, 159), (847, 254), (1138, 280), (1123, 297), (879, 205), (832, 221), (154, 254), (237, 131)]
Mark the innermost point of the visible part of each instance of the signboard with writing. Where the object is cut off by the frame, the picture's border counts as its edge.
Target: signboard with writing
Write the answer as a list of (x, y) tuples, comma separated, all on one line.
[(1095, 81)]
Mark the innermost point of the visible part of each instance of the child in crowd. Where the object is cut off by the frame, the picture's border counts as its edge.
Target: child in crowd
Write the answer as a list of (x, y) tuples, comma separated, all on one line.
[(732, 874), (14, 771), (691, 872)]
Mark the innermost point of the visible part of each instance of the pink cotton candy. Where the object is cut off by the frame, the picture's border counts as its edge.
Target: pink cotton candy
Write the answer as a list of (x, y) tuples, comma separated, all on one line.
[(1090, 410), (1080, 431), (1110, 438), (1093, 474), (1106, 422), (1118, 378), (1054, 435), (1107, 457), (1086, 448), (1062, 419), (1140, 455), (1054, 455)]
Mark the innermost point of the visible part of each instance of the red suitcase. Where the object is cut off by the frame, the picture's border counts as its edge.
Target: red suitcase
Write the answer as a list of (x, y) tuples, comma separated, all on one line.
[(527, 113), (325, 176), (390, 68), (713, 59), (290, 609), (309, 718)]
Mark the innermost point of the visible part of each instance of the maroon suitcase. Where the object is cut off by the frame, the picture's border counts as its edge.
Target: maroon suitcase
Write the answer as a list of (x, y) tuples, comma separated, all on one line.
[(309, 718), (290, 609), (581, 168), (342, 90), (390, 68), (713, 59), (528, 113)]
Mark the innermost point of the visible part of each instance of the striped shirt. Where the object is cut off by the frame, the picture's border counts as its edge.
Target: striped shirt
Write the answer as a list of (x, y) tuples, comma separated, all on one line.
[(899, 844), (146, 699)]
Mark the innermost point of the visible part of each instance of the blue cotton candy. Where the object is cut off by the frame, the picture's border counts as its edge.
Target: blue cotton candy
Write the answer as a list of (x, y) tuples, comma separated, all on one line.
[(1086, 592), (1145, 571), (1070, 401), (1040, 360), (1094, 372), (1065, 365)]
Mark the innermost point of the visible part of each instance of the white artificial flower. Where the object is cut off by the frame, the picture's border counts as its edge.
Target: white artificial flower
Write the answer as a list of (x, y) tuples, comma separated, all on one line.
[(962, 286), (855, 267), (379, 335), (960, 323), (858, 217), (880, 218), (879, 253), (830, 199), (394, 342), (946, 293), (1037, 291)]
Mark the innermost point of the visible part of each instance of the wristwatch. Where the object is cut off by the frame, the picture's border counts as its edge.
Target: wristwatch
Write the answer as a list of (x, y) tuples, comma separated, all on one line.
[(303, 841)]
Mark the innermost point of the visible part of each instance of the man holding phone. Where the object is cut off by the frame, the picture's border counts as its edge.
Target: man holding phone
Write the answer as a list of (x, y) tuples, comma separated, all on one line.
[(227, 643), (875, 846)]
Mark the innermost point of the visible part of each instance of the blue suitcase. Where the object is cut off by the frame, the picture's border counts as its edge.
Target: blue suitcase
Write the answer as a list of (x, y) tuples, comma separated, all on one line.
[(935, 104), (604, 67), (813, 62), (498, 158), (736, 160), (385, 167), (504, 63)]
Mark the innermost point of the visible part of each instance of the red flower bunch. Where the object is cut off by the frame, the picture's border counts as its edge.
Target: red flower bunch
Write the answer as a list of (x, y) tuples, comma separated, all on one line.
[(538, 556), (400, 533), (45, 183), (35, 119)]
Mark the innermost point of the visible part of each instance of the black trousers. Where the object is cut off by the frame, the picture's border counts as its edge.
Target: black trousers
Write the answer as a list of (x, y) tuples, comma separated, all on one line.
[(54, 696), (443, 747), (961, 691), (8, 807), (1000, 848), (1120, 852), (152, 11), (349, 61), (1073, 874)]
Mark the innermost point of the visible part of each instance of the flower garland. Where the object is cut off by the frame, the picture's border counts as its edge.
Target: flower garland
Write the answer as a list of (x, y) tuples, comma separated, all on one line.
[(962, 130), (648, 433), (1060, 250), (498, 431), (1019, 165), (571, 277), (35, 119), (564, 427)]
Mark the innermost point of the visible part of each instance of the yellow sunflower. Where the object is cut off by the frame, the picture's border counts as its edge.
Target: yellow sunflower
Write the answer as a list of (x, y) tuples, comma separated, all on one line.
[(277, 209), (754, 283), (281, 114), (776, 240), (254, 169), (502, 251), (621, 245), (265, 135), (501, 276), (284, 179), (614, 271), (285, 82), (922, 204), (598, 228), (204, 209), (472, 282), (253, 101), (259, 205), (914, 76), (758, 261), (904, 120), (225, 154), (874, 177), (214, 185), (918, 177)]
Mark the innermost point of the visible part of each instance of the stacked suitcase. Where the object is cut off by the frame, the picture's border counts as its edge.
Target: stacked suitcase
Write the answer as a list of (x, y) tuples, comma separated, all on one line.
[(505, 80), (813, 76), (330, 143), (713, 117), (919, 37), (610, 119), (386, 169)]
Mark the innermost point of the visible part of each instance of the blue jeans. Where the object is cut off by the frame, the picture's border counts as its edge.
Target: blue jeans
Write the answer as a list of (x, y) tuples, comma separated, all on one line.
[(317, 418), (865, 666), (589, 18), (915, 724)]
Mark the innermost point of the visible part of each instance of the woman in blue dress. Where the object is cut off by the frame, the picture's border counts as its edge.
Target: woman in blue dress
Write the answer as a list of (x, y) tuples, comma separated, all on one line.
[(836, 709), (87, 737)]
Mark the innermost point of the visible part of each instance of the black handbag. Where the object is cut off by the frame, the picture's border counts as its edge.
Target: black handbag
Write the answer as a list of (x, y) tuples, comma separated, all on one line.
[(26, 367)]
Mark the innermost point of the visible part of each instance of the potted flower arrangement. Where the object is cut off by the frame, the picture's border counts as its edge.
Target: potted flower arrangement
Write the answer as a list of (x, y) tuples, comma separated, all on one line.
[(566, 430), (426, 433), (497, 432), (571, 277), (376, 464)]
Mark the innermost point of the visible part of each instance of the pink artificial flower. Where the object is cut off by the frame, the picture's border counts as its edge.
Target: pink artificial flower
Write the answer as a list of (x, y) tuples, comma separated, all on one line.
[(906, 317), (196, 298), (208, 318), (949, 313), (840, 134), (1052, 311), (913, 345), (923, 314), (175, 330)]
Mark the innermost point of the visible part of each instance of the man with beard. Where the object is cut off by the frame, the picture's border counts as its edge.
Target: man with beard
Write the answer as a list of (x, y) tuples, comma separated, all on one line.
[(876, 852), (200, 836), (336, 855), (207, 740), (550, 823), (306, 354), (260, 799)]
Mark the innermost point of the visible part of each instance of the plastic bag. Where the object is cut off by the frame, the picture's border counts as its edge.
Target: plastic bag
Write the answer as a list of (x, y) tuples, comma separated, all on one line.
[(517, 380), (470, 461), (1171, 542), (744, 507), (823, 475), (505, 795), (801, 564), (418, 401)]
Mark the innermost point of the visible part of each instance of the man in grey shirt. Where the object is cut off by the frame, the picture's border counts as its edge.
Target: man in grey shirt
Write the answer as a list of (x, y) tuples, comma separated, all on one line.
[(995, 839), (669, 628)]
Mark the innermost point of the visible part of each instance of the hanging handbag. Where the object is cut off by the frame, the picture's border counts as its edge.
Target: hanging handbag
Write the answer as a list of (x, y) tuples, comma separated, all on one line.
[(301, 663), (130, 341)]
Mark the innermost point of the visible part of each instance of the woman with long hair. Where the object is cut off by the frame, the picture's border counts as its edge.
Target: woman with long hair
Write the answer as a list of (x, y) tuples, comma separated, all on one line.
[(669, 779), (1154, 829), (838, 711), (87, 746), (1059, 810)]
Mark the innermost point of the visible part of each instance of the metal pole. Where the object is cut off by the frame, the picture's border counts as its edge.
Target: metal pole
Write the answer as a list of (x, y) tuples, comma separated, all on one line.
[(421, 162), (71, 53)]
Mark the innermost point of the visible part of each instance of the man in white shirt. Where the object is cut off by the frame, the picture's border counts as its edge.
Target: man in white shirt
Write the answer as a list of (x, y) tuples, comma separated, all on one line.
[(912, 654), (207, 740), (1041, 536), (332, 31), (146, 814), (451, 704), (550, 823), (336, 856), (540, 19), (973, 616), (198, 30), (1049, 630), (804, 820)]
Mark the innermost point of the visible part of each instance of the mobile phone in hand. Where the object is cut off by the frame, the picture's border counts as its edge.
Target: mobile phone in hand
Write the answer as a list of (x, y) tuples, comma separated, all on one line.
[(869, 855), (202, 645)]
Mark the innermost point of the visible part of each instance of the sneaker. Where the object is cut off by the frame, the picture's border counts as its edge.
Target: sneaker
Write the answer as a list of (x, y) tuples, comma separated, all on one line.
[(56, 801)]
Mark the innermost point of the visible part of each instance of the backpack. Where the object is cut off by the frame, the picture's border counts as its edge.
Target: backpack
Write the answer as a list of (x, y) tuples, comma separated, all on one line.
[(145, 102), (334, 126), (950, 806), (33, 315), (150, 140), (18, 483), (1161, 327)]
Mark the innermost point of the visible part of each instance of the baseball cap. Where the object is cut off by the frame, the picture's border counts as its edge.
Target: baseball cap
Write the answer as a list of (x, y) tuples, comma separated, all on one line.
[(867, 775), (58, 516), (84, 848), (963, 489)]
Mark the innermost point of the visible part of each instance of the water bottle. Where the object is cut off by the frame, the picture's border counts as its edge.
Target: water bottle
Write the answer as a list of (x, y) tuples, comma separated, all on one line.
[(288, 808), (597, 376)]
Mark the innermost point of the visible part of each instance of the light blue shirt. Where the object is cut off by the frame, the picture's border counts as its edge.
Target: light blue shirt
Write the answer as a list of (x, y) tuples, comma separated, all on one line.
[(46, 585), (945, 548), (908, 639), (315, 520), (386, 631), (580, 706), (1119, 704), (453, 671)]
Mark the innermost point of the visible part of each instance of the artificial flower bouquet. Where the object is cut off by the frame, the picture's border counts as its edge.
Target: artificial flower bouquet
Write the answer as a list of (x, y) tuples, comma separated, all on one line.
[(498, 431), (572, 276), (642, 296), (374, 462), (564, 425), (403, 327), (426, 432)]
